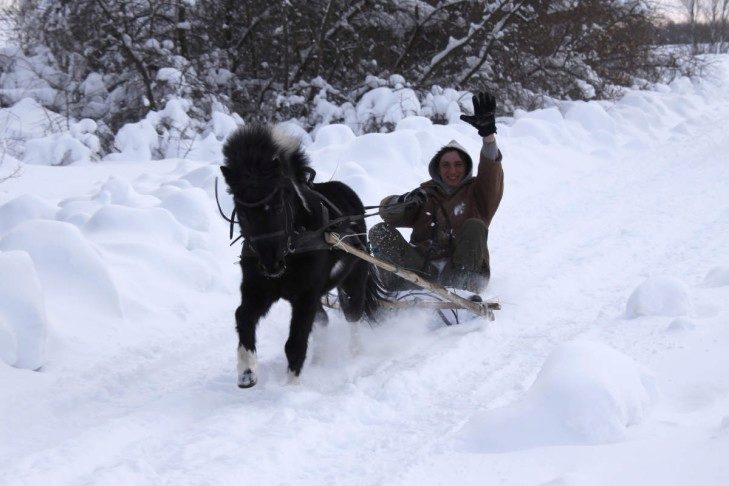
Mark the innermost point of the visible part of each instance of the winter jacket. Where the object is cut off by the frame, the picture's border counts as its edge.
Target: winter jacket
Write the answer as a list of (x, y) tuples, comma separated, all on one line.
[(439, 218)]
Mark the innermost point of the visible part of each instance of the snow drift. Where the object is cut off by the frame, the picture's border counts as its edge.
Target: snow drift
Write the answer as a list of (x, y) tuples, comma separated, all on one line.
[(585, 393)]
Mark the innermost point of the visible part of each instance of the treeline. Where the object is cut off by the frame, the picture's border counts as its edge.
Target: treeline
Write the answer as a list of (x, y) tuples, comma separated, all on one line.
[(113, 60), (703, 37), (705, 26)]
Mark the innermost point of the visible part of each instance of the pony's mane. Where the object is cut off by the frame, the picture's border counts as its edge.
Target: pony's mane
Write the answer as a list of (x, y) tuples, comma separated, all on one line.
[(265, 153)]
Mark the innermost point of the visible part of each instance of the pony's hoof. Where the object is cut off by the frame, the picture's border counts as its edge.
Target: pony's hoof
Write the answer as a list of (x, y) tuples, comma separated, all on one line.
[(247, 379), (293, 378)]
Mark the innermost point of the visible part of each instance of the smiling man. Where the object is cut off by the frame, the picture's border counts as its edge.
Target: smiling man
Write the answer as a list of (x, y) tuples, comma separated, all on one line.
[(449, 214)]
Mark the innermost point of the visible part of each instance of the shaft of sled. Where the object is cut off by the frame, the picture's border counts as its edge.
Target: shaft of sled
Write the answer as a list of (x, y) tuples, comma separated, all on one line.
[(432, 304), (479, 308)]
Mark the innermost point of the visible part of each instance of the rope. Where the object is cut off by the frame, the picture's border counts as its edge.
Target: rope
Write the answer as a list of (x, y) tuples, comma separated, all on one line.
[(328, 224)]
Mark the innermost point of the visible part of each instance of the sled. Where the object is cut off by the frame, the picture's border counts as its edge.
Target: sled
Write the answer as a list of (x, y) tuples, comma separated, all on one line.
[(440, 298)]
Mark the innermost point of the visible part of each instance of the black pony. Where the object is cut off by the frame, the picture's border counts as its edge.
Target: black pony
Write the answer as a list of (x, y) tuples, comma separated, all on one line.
[(282, 216)]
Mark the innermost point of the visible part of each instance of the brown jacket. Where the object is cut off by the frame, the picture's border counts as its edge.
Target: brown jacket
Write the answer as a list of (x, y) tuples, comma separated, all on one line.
[(441, 215)]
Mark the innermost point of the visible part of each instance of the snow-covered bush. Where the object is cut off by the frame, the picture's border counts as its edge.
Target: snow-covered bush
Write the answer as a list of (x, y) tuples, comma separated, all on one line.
[(115, 62)]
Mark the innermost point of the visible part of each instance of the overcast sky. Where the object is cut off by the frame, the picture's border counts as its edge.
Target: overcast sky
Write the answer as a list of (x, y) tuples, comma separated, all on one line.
[(672, 8)]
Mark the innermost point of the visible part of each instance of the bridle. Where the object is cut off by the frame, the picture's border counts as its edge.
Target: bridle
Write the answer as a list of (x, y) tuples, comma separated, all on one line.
[(279, 190), (287, 229), (296, 242)]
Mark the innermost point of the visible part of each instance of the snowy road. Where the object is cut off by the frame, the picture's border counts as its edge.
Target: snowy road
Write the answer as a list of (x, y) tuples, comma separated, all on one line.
[(587, 216)]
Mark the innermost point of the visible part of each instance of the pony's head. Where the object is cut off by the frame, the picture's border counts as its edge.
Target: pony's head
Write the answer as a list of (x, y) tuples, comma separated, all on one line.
[(264, 168)]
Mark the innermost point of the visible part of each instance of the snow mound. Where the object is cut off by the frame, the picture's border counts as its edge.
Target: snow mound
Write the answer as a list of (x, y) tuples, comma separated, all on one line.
[(118, 224), (586, 393), (23, 322), (223, 125), (70, 270), (681, 324), (56, 149), (335, 134), (27, 119), (204, 177), (135, 141), (23, 208), (659, 296), (419, 123), (189, 207), (593, 117), (119, 191), (717, 277)]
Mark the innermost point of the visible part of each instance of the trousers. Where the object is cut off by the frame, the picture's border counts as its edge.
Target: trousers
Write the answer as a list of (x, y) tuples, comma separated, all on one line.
[(467, 267)]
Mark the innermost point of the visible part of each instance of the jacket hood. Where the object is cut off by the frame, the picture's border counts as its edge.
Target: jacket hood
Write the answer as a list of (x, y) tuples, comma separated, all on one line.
[(433, 165)]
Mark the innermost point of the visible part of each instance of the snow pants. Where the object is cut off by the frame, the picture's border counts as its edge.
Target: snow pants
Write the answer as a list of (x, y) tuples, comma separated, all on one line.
[(466, 268)]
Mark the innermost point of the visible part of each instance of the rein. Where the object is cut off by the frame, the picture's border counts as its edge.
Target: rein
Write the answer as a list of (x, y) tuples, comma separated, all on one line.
[(309, 235)]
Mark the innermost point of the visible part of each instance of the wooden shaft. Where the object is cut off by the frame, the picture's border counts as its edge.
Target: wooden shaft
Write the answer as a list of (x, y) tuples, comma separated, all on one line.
[(432, 304), (478, 308)]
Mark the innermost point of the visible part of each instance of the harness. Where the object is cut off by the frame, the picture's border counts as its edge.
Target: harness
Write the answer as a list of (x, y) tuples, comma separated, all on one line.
[(301, 240)]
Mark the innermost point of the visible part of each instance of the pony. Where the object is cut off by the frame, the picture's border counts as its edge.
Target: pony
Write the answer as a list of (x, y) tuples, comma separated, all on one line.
[(282, 215)]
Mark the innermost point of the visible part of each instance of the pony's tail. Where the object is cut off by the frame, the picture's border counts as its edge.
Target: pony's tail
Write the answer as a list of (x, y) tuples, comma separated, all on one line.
[(375, 294)]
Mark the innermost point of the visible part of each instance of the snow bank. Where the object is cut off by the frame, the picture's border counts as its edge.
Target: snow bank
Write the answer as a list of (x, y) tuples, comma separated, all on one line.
[(118, 224), (171, 132), (586, 393), (190, 207), (23, 208), (659, 296), (23, 322), (70, 269)]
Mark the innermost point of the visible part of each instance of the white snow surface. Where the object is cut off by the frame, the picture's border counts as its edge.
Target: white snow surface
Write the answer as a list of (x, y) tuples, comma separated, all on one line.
[(607, 364)]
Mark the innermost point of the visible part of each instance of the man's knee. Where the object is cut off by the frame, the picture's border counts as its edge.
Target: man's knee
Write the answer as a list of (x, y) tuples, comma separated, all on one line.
[(471, 248), (383, 235), (473, 228), (387, 242), (380, 231)]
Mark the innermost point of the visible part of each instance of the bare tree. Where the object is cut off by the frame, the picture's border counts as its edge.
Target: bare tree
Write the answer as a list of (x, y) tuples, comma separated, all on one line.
[(715, 13), (693, 11)]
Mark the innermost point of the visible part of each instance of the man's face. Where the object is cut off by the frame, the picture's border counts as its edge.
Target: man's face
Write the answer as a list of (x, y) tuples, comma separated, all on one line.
[(451, 168)]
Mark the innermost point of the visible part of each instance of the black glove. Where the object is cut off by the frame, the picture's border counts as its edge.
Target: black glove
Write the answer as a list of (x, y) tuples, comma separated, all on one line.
[(483, 118), (416, 197)]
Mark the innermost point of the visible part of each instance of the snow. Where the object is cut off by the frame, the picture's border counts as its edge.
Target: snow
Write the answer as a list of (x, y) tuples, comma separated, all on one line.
[(23, 321), (585, 393), (606, 365), (135, 141), (68, 266), (717, 277), (659, 296)]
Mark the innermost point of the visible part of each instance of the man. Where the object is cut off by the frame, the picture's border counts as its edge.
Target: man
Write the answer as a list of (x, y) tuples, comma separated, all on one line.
[(449, 214)]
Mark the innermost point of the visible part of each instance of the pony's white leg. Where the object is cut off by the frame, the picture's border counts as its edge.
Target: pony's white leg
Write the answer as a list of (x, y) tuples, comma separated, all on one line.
[(355, 344), (246, 368), (293, 379)]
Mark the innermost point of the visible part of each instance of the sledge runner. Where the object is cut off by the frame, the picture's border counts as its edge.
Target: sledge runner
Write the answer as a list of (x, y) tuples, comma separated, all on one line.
[(449, 214)]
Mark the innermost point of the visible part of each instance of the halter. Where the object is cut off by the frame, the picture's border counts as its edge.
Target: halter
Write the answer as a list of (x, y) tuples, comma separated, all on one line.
[(288, 216)]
